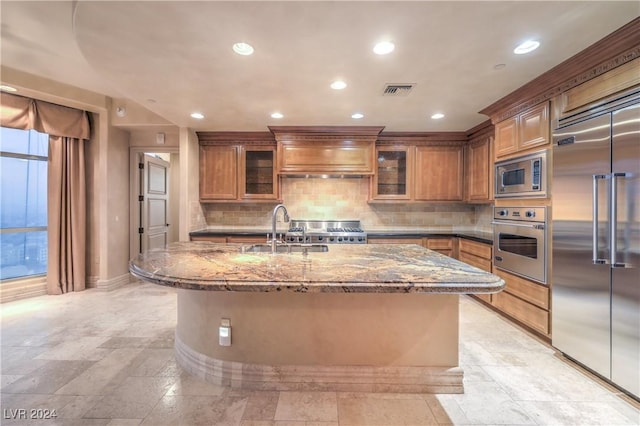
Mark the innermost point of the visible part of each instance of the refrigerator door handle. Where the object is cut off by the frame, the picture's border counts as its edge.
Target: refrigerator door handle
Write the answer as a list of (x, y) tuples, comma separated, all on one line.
[(596, 239), (614, 220)]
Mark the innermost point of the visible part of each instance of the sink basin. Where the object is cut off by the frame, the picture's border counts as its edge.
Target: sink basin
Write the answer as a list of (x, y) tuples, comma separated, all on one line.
[(286, 248)]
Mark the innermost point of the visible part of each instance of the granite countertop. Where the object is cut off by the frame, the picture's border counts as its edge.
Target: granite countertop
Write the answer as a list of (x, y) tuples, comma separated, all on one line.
[(485, 237), (353, 268)]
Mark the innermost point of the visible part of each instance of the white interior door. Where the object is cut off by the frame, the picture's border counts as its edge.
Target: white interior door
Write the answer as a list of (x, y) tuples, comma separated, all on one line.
[(154, 204)]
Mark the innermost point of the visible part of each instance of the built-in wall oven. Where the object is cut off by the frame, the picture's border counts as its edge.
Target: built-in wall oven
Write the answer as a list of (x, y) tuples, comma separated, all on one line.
[(519, 241)]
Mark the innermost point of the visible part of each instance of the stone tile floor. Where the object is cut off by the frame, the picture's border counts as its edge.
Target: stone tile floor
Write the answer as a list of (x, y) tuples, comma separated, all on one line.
[(97, 358)]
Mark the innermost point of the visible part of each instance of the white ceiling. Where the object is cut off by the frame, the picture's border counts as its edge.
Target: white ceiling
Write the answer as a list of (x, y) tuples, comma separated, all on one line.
[(175, 57)]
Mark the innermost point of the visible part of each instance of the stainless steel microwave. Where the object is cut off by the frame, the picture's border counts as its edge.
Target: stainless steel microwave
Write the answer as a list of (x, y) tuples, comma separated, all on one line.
[(524, 176)]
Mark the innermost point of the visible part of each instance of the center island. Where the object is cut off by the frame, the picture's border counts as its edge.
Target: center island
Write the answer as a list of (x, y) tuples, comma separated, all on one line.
[(358, 317)]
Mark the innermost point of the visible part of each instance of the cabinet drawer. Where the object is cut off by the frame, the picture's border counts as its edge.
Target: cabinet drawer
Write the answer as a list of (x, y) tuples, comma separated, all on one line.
[(478, 262), (248, 240), (486, 297), (209, 239), (475, 248), (395, 241), (439, 243), (525, 312), (536, 294)]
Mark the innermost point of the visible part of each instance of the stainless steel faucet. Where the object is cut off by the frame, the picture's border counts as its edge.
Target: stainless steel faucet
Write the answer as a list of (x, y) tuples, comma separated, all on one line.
[(274, 215)]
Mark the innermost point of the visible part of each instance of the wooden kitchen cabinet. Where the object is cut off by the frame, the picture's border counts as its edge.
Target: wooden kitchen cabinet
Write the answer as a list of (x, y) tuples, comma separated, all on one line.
[(529, 129), (439, 173), (342, 157), (247, 239), (238, 167), (210, 239), (391, 240), (332, 150), (478, 255), (258, 178), (524, 300), (393, 178), (218, 173), (224, 239), (443, 245), (479, 171)]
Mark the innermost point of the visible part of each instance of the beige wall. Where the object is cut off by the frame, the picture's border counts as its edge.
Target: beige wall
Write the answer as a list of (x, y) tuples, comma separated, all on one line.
[(147, 138), (117, 189), (323, 328), (317, 198), (191, 212)]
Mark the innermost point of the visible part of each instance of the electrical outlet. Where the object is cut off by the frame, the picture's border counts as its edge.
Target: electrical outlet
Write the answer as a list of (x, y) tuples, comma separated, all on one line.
[(224, 332)]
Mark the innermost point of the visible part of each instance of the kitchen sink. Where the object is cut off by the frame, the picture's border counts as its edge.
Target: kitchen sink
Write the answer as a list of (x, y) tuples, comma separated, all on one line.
[(286, 248)]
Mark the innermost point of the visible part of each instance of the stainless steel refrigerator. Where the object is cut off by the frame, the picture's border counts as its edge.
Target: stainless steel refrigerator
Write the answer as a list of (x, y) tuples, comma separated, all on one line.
[(596, 241)]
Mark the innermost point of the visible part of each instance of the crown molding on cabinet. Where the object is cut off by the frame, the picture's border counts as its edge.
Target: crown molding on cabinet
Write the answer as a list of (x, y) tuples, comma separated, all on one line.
[(323, 132), (421, 138), (226, 138), (483, 129), (616, 49)]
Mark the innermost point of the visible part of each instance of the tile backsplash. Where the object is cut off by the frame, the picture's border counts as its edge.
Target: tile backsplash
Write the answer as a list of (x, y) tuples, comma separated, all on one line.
[(316, 198)]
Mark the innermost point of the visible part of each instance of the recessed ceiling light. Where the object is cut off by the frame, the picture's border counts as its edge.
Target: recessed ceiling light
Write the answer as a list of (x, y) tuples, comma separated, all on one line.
[(6, 88), (244, 49), (437, 116), (276, 115), (357, 115), (383, 48), (338, 85), (526, 47), (197, 115)]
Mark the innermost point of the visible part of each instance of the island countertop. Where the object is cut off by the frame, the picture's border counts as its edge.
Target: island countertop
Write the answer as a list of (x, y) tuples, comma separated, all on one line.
[(353, 268)]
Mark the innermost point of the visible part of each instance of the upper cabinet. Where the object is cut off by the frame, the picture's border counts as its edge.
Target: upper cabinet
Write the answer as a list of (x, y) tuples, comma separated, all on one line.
[(393, 178), (439, 173), (218, 173), (418, 167), (529, 129), (348, 150), (238, 167), (258, 178), (479, 170)]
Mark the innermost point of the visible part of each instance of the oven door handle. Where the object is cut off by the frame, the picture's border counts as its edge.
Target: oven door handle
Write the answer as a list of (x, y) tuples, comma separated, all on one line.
[(522, 225)]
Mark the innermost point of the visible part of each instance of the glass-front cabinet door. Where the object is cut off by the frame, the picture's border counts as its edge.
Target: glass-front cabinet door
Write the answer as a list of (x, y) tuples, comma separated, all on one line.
[(392, 178), (258, 179)]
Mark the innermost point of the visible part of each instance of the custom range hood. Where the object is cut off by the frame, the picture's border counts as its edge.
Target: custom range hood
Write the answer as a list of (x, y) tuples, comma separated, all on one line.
[(326, 151)]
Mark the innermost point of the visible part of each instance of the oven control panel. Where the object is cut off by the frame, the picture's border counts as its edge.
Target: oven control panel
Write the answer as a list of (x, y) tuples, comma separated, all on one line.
[(528, 214)]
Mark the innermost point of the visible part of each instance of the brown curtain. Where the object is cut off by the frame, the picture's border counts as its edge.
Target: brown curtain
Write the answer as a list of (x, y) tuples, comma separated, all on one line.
[(66, 215), (67, 129)]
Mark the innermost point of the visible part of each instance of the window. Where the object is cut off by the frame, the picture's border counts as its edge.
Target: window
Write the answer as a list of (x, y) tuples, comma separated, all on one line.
[(23, 203)]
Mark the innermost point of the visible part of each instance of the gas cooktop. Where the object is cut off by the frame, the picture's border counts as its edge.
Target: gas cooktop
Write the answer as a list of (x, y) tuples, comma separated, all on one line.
[(326, 232)]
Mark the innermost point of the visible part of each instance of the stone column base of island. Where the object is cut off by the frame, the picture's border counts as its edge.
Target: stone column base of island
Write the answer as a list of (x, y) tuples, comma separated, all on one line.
[(368, 342)]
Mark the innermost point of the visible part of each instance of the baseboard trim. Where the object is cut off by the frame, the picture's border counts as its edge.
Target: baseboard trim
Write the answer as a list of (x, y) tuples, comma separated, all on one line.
[(399, 379), (113, 283)]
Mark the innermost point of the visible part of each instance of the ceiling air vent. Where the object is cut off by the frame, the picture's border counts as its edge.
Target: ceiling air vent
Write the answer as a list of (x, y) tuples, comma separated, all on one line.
[(398, 89)]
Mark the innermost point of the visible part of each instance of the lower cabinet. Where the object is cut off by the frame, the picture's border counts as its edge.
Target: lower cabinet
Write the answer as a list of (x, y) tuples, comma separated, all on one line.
[(524, 300), (208, 238), (478, 255), (230, 239), (444, 245), (389, 240)]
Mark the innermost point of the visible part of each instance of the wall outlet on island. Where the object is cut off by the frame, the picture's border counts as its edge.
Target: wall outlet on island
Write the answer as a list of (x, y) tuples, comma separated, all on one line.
[(224, 332)]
